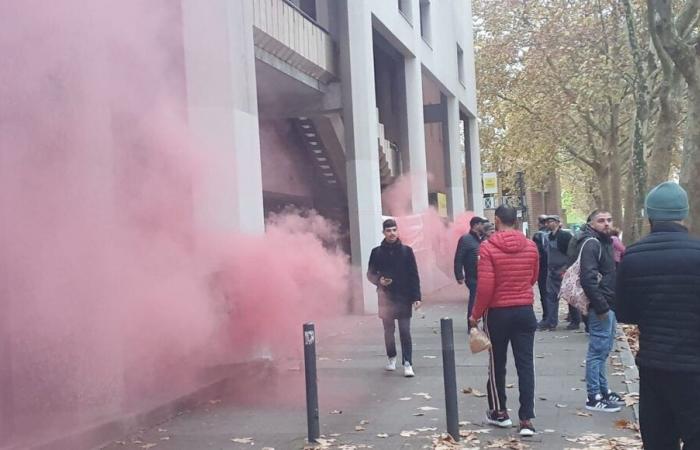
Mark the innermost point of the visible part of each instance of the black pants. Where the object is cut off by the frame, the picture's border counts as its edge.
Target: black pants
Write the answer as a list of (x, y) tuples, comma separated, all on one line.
[(471, 285), (669, 409), (404, 335), (516, 325)]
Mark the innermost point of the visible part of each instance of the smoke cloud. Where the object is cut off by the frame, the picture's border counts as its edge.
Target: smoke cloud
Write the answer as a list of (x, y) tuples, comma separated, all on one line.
[(108, 286)]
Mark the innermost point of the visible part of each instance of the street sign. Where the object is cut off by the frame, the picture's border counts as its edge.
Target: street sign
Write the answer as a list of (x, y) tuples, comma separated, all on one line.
[(490, 180)]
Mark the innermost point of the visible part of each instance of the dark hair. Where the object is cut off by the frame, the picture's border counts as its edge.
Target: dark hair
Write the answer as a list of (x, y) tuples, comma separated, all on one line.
[(507, 214), (594, 213), (388, 223)]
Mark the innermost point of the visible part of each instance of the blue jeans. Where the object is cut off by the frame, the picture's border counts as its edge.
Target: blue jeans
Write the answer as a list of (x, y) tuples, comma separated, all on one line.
[(600, 344)]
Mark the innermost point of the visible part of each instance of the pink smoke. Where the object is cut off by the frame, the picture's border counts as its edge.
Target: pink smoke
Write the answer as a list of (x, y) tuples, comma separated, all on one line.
[(108, 286)]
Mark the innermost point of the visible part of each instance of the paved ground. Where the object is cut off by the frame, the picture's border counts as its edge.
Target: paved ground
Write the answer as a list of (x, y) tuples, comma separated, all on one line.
[(359, 400)]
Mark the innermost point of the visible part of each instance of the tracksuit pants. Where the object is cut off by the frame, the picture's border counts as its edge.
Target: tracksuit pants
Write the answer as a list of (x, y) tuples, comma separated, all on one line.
[(515, 325)]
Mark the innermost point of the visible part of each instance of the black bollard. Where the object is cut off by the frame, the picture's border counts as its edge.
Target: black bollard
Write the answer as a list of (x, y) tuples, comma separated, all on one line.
[(450, 377), (311, 387)]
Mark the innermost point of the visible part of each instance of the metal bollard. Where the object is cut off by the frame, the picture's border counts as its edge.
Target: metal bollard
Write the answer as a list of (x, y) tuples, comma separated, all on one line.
[(450, 377), (311, 386)]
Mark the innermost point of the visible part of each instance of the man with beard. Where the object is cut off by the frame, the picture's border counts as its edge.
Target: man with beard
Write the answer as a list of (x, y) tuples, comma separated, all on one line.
[(393, 269), (598, 283), (467, 258)]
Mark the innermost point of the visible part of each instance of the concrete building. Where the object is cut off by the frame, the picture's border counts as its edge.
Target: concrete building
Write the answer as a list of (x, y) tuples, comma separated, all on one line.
[(324, 103)]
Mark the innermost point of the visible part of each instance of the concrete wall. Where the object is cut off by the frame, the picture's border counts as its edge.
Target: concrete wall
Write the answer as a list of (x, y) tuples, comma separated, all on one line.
[(285, 170)]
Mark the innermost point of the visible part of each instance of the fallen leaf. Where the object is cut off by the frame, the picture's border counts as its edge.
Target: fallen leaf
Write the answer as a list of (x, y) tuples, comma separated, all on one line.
[(214, 402), (336, 411), (510, 386), (408, 433), (359, 428), (476, 393), (418, 414), (423, 430), (248, 440), (428, 408), (149, 445), (583, 414), (364, 422), (405, 399), (467, 390), (162, 430), (561, 405), (464, 423), (575, 389), (383, 435), (425, 395), (429, 356), (165, 438), (542, 398), (549, 430)]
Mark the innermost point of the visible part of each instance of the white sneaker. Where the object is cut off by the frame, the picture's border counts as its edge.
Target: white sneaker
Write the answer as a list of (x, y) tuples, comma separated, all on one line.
[(408, 370), (391, 365)]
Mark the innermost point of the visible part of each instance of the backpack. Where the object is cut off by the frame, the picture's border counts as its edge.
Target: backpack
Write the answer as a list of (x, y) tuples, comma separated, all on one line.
[(571, 289)]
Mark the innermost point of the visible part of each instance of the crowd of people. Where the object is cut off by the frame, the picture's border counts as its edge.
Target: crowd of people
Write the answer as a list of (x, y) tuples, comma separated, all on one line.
[(654, 283)]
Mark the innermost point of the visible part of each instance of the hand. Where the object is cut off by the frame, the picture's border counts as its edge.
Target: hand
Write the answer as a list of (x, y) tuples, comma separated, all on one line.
[(473, 322), (460, 281), (417, 304), (385, 281)]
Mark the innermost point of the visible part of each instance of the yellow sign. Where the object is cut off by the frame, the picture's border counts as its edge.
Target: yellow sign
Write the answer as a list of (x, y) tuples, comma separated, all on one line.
[(490, 180), (442, 204)]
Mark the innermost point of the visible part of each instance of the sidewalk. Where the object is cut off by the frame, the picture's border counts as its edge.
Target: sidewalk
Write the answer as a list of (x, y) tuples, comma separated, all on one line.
[(363, 406)]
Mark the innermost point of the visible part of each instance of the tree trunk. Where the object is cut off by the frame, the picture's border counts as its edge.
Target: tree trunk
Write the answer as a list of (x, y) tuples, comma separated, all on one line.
[(629, 233), (665, 136), (690, 170), (635, 205), (603, 176)]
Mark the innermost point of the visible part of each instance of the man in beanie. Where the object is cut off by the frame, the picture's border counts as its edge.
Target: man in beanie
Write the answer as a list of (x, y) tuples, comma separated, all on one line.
[(393, 269), (467, 258), (658, 288)]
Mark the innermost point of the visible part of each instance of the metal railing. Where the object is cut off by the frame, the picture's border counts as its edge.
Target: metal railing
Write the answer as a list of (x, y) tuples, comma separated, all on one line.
[(493, 202)]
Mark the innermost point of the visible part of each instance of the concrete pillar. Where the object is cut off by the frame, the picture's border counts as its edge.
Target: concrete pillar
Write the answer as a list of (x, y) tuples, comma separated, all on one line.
[(223, 113), (473, 159), (361, 143), (416, 135), (455, 188)]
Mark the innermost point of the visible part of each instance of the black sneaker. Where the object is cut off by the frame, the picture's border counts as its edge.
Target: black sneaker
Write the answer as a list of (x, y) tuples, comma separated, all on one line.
[(499, 419), (573, 326), (599, 403), (613, 397), (526, 428)]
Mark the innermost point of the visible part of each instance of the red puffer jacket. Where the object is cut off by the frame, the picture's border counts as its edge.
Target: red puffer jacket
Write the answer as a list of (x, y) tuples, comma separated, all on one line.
[(508, 268)]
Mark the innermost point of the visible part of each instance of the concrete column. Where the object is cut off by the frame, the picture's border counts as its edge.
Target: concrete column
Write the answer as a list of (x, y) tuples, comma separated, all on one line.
[(416, 135), (455, 188), (361, 143), (223, 113), (474, 161)]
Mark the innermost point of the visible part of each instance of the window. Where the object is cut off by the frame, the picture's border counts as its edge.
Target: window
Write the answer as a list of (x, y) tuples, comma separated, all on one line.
[(308, 7), (425, 20), (460, 64), (405, 8)]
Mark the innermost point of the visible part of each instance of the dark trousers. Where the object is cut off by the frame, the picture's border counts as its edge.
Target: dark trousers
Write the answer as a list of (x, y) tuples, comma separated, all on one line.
[(551, 318), (471, 285), (669, 409), (542, 286), (404, 335), (516, 325)]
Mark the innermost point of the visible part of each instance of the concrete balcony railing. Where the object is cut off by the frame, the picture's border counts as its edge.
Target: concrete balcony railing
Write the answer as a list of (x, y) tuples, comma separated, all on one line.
[(286, 32), (493, 202)]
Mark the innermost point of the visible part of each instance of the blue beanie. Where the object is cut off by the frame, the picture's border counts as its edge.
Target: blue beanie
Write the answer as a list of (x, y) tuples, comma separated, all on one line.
[(667, 202)]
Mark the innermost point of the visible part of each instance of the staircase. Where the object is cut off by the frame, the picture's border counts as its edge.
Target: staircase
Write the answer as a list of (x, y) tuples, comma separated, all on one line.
[(389, 159), (317, 135)]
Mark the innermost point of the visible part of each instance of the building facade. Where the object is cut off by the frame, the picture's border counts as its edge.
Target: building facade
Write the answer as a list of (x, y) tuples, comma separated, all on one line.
[(325, 103)]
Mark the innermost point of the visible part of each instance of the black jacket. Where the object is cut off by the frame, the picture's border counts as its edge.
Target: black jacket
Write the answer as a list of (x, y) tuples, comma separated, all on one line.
[(598, 270), (467, 257), (540, 240), (395, 261), (659, 290)]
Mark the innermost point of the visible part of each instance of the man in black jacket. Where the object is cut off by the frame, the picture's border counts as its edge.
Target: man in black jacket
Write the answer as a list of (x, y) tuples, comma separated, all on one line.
[(556, 242), (658, 288), (467, 258), (393, 269), (598, 283)]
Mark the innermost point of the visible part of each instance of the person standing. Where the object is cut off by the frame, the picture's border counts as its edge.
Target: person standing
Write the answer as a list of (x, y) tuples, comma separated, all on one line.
[(598, 283), (658, 289), (467, 258), (508, 269), (489, 230), (393, 269), (540, 240), (557, 244)]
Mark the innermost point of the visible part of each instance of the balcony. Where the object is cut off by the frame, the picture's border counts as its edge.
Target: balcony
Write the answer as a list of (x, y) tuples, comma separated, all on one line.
[(287, 33), (493, 202)]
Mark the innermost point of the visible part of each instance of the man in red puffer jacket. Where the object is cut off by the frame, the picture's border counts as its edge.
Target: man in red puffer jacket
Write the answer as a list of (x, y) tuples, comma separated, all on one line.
[(508, 269)]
